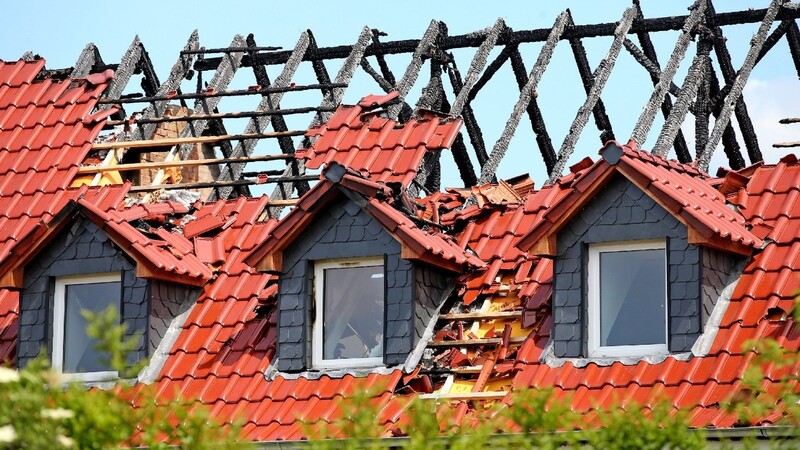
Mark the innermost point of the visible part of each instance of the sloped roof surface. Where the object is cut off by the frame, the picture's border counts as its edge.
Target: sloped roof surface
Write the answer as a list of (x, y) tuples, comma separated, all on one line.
[(46, 130), (228, 341), (770, 280), (359, 138)]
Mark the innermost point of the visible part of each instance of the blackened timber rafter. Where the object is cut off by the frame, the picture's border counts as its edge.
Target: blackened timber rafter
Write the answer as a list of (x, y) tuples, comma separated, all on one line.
[(468, 116), (774, 38), (89, 58), (648, 114), (730, 144), (461, 106), (734, 97), (205, 105), (600, 75), (702, 108), (729, 75), (387, 87), (649, 65), (385, 70), (125, 69), (526, 93), (672, 124), (260, 124), (793, 38), (649, 51), (412, 71), (150, 82), (429, 174), (382, 82), (534, 113), (477, 65), (491, 69), (331, 100), (459, 148), (172, 84), (134, 59), (320, 71), (587, 79), (262, 79), (433, 92)]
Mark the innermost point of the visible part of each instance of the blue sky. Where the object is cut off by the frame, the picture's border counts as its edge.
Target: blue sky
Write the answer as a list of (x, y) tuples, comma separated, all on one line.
[(59, 30)]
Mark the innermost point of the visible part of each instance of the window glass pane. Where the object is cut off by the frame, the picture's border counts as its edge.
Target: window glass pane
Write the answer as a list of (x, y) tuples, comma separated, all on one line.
[(633, 297), (79, 349), (353, 316)]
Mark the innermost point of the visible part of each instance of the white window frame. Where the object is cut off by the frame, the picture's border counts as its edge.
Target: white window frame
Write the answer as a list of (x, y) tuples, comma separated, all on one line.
[(59, 317), (593, 344), (317, 359)]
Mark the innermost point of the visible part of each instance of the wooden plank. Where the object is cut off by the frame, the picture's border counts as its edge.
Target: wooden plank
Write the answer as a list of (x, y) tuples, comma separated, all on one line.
[(467, 370), (213, 116), (191, 140), (482, 315), (283, 202), (786, 144), (488, 395), (202, 185), (470, 342), (162, 164)]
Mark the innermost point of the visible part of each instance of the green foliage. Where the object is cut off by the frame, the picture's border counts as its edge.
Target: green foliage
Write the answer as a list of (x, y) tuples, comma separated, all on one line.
[(39, 410), (639, 428)]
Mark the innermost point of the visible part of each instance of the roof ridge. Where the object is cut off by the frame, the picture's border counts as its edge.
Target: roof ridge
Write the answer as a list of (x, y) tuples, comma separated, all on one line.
[(632, 149)]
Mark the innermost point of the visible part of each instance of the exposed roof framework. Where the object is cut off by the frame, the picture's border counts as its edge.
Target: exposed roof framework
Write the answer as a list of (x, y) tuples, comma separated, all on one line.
[(705, 91)]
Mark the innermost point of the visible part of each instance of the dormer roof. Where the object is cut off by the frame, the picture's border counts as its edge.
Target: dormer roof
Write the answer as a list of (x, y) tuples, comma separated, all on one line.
[(431, 245), (681, 189)]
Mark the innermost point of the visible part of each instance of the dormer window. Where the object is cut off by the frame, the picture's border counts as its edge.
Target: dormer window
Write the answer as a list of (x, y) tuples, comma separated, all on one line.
[(349, 326), (74, 351), (627, 298)]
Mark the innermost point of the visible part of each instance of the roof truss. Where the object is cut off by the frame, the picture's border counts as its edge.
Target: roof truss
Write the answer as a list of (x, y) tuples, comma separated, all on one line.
[(708, 89)]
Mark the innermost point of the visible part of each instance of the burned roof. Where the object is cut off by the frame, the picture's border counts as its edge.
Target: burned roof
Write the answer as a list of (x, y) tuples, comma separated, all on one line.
[(491, 335)]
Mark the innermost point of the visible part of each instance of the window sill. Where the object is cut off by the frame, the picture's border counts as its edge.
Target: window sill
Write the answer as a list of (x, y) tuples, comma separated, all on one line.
[(91, 377), (548, 357), (315, 373), (628, 351)]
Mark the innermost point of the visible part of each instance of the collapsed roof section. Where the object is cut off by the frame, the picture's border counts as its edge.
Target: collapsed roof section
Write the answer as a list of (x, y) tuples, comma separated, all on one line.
[(177, 132), (432, 246)]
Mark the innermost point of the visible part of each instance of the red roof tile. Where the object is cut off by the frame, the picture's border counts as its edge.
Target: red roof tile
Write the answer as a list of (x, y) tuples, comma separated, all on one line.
[(228, 341), (46, 129), (358, 138)]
